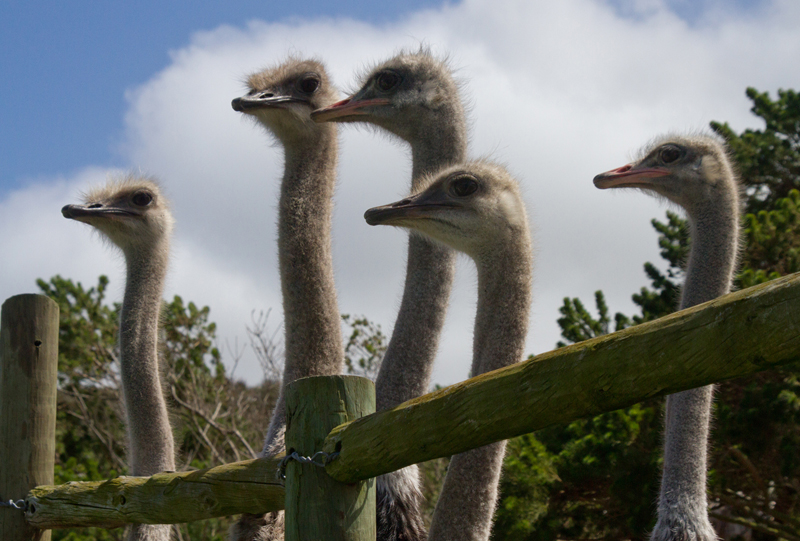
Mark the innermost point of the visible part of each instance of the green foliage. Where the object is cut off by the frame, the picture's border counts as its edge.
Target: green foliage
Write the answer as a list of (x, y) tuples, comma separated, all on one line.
[(771, 242), (529, 475), (189, 338), (769, 159), (664, 296), (87, 330), (365, 347), (598, 478), (577, 324), (574, 482)]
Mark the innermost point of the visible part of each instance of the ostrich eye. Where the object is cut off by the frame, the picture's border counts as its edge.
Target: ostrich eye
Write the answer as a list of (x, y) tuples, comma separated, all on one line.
[(387, 80), (464, 186), (142, 199), (669, 154), (309, 84)]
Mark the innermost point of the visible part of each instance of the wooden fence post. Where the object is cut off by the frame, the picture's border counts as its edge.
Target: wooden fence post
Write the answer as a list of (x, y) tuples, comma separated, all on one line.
[(28, 379), (319, 508)]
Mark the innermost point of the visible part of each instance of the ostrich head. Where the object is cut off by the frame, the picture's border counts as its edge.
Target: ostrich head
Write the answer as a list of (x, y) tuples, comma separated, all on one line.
[(406, 95), (282, 98), (474, 207), (687, 170), (131, 212)]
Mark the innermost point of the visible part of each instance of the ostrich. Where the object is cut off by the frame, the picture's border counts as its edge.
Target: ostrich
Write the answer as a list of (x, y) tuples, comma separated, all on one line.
[(476, 208), (281, 100), (695, 173), (134, 215), (414, 97)]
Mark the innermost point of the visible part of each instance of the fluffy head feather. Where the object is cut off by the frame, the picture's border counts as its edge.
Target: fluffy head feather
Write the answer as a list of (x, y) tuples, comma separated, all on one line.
[(413, 94), (282, 97), (130, 211), (473, 207)]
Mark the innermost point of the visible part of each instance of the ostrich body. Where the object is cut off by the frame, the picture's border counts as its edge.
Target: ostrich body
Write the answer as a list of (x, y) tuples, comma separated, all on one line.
[(281, 99), (414, 97), (476, 208), (134, 215), (695, 173)]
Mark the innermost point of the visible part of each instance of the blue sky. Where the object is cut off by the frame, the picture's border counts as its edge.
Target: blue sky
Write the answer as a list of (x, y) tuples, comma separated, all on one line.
[(558, 91), (66, 66)]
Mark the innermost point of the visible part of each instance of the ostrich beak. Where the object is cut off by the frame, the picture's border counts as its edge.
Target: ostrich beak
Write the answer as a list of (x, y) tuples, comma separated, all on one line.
[(344, 109), (263, 100), (629, 176), (422, 205), (84, 213)]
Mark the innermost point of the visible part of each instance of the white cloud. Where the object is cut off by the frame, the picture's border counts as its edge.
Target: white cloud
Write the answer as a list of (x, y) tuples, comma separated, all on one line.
[(559, 90), (39, 243)]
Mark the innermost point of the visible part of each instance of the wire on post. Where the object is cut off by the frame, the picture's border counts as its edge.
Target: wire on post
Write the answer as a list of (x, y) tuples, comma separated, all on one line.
[(320, 458)]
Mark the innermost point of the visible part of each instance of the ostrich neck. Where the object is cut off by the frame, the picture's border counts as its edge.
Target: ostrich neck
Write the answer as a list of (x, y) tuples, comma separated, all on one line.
[(683, 505), (406, 369), (467, 501), (712, 256), (151, 445), (141, 307), (437, 147), (504, 299), (407, 364), (313, 329)]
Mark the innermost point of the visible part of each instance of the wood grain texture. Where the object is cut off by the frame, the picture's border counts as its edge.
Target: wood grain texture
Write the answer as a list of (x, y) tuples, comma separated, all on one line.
[(249, 486), (28, 379), (732, 336), (318, 506)]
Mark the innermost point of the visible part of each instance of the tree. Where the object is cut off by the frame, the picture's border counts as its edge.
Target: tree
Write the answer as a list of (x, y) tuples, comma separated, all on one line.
[(598, 478), (365, 347), (769, 159)]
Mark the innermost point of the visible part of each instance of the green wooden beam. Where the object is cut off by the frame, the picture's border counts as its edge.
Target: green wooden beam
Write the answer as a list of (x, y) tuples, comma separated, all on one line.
[(732, 336), (249, 486)]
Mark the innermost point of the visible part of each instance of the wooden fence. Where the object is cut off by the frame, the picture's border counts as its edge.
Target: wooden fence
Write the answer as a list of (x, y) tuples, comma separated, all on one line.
[(732, 336)]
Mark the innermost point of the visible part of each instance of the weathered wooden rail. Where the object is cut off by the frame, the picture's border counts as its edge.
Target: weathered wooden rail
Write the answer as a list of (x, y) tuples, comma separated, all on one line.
[(739, 334), (249, 486), (736, 335)]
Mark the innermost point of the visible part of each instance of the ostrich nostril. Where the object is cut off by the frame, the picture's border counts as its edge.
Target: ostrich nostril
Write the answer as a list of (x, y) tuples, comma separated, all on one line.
[(94, 206), (401, 203), (265, 95)]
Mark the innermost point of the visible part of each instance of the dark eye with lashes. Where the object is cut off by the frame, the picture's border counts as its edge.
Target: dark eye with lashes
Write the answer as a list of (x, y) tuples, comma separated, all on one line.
[(669, 154), (464, 186), (309, 84), (142, 199), (387, 80)]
